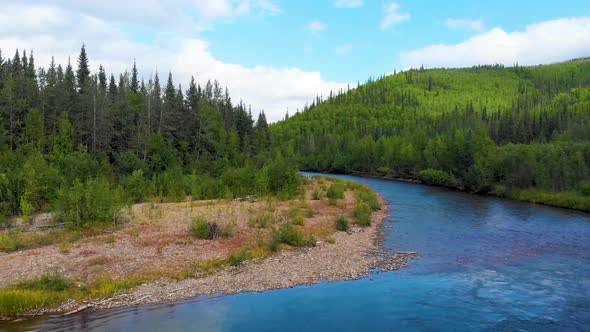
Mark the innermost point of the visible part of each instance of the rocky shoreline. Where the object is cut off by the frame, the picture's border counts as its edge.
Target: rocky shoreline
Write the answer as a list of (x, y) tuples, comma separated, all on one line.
[(353, 256)]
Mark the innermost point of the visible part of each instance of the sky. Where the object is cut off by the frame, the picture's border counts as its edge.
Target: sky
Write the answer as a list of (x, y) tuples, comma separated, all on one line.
[(277, 55)]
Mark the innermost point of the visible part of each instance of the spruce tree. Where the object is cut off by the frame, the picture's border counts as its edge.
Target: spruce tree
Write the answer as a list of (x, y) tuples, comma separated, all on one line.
[(83, 71), (169, 111), (134, 81)]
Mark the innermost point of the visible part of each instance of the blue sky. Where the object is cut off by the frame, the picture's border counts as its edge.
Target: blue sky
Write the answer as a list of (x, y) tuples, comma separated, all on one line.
[(278, 54), (366, 49)]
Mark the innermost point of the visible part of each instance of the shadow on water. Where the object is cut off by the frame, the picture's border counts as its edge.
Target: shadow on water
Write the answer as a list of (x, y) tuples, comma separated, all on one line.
[(485, 264)]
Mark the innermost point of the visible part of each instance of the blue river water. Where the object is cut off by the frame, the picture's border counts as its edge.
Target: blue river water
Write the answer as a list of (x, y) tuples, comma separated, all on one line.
[(485, 264)]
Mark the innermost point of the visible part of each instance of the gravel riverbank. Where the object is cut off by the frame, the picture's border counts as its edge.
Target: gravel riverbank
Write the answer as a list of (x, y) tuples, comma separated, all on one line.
[(156, 241)]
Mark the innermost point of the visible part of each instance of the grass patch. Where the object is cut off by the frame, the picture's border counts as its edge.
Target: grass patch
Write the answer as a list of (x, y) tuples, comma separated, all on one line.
[(98, 260), (295, 216), (20, 240), (571, 200), (211, 266), (64, 247), (48, 281), (309, 213), (51, 289), (104, 288), (262, 220), (17, 301), (110, 239), (247, 254)]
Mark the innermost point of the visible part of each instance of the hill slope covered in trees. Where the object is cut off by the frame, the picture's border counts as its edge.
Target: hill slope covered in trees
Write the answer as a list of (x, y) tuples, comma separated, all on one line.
[(522, 132)]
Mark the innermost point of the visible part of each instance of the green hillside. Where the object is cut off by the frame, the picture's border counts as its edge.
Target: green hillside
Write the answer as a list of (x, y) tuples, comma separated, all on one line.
[(521, 132)]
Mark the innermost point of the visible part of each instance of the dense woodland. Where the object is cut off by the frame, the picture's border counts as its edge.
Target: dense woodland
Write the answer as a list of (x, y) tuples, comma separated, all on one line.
[(82, 143), (522, 132)]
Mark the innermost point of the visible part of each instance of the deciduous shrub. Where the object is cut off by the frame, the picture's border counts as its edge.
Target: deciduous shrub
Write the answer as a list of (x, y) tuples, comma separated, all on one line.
[(202, 229), (87, 203), (137, 187), (295, 216), (435, 176), (342, 223), (316, 195), (383, 170), (336, 191), (287, 234), (362, 214), (366, 195)]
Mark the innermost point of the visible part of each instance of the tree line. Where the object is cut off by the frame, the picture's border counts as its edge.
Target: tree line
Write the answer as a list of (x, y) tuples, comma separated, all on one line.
[(81, 143)]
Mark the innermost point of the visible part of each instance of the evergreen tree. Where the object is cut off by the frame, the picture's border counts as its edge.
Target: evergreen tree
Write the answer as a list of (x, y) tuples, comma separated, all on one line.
[(83, 71), (134, 81)]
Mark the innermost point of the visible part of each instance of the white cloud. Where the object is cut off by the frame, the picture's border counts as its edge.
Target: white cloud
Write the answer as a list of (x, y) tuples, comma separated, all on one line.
[(393, 15), (316, 26), (545, 42), (344, 49), (60, 31), (348, 3), (464, 24)]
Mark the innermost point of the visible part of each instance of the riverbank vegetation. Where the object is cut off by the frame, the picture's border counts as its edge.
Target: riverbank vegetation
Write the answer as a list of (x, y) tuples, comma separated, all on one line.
[(169, 241), (520, 132)]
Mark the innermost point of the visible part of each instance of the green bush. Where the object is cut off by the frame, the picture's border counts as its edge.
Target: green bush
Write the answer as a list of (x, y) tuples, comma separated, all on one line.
[(137, 187), (239, 181), (383, 170), (201, 229), (366, 195), (295, 216), (85, 204), (237, 258), (342, 223), (362, 214), (287, 234), (282, 177), (584, 188), (435, 176), (171, 184), (316, 195), (336, 191), (9, 242)]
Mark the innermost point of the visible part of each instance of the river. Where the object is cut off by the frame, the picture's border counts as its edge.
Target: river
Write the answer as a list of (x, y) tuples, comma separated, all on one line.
[(485, 264)]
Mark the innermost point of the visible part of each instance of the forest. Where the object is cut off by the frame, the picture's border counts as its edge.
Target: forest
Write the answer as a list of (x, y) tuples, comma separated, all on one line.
[(82, 144), (519, 132)]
